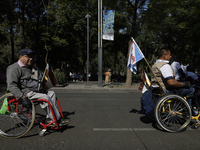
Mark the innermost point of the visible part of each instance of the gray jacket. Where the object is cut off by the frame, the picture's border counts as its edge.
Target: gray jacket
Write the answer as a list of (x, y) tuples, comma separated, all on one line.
[(22, 80)]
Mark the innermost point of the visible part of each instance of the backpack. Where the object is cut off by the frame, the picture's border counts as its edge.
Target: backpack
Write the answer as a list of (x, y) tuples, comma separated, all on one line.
[(146, 102)]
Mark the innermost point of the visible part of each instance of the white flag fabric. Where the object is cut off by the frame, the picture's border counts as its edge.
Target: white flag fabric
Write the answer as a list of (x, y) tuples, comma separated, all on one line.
[(135, 55), (145, 83)]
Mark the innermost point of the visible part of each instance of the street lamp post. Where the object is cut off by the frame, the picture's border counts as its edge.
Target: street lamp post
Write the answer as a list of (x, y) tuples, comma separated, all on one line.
[(100, 43), (87, 16)]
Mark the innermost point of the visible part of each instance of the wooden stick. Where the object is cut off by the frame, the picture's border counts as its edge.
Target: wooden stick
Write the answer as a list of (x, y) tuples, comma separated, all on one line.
[(154, 75)]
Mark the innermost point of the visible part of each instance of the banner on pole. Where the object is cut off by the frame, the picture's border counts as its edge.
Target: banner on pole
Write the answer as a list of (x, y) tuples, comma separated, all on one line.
[(108, 24), (135, 55)]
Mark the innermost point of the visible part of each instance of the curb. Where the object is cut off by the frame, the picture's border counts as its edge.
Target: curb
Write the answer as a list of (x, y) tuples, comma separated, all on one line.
[(90, 89), (94, 90)]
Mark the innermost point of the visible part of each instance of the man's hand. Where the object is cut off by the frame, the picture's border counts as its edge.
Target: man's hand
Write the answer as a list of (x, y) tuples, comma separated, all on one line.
[(186, 84), (26, 102)]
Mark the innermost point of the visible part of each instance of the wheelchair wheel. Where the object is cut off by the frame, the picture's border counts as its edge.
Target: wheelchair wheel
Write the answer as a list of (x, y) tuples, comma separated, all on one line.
[(15, 120), (172, 113)]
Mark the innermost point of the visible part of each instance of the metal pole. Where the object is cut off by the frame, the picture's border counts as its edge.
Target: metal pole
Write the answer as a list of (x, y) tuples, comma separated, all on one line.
[(100, 43), (87, 16)]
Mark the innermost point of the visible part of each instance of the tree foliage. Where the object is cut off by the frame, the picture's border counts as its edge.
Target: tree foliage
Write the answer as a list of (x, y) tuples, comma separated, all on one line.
[(172, 24), (59, 28)]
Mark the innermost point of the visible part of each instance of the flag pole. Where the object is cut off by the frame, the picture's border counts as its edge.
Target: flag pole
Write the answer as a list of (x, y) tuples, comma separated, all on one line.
[(45, 69), (154, 74)]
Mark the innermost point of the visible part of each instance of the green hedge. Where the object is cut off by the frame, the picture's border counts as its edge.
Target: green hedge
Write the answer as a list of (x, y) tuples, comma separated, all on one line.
[(60, 76)]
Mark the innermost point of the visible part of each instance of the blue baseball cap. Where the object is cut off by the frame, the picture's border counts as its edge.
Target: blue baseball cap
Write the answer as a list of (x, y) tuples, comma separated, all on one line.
[(26, 52)]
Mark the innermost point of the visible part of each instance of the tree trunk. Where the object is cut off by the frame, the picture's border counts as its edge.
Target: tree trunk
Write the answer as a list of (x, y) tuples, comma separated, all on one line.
[(21, 23), (134, 18), (37, 30), (12, 44), (129, 73)]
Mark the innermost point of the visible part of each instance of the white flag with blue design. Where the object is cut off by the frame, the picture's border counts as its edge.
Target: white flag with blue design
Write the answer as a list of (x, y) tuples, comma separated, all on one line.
[(135, 55)]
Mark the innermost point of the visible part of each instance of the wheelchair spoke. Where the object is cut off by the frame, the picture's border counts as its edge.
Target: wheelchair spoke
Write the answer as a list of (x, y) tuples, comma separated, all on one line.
[(5, 124), (20, 121), (165, 117)]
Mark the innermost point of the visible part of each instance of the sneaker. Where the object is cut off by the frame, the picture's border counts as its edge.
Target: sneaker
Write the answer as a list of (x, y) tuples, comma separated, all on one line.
[(64, 122)]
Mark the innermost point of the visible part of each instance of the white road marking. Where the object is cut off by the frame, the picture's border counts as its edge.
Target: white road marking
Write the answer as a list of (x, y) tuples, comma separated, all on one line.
[(131, 129), (144, 129), (124, 129)]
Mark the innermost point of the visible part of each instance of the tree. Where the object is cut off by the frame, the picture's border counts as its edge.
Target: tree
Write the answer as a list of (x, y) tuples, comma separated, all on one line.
[(8, 19), (21, 22), (134, 6), (61, 27), (173, 24)]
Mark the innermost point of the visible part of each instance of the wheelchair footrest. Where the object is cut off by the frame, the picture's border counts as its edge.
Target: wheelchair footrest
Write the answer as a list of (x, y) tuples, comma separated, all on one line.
[(41, 133)]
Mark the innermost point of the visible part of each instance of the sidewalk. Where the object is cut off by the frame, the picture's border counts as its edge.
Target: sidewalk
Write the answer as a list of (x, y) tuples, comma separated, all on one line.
[(92, 86)]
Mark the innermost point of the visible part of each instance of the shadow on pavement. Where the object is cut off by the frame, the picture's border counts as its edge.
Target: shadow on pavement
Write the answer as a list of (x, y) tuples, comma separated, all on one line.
[(146, 119), (37, 127)]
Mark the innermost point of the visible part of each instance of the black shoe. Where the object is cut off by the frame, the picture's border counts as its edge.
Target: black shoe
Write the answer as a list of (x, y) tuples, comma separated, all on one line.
[(64, 122), (48, 120)]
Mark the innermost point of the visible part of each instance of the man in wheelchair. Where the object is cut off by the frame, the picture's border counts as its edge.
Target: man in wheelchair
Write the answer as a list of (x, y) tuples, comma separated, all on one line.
[(166, 76), (24, 82)]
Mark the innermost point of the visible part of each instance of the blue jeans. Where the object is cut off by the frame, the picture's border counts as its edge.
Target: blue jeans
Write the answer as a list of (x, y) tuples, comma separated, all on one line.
[(185, 92)]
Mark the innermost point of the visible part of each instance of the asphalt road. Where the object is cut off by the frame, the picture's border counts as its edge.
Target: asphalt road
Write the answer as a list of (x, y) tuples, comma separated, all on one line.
[(104, 121)]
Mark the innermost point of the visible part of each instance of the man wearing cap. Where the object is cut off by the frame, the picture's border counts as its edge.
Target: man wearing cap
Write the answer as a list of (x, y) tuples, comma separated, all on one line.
[(24, 82)]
